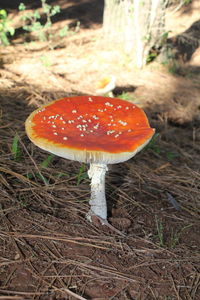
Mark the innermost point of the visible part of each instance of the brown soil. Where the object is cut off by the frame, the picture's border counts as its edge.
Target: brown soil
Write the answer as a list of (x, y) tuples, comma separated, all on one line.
[(48, 250)]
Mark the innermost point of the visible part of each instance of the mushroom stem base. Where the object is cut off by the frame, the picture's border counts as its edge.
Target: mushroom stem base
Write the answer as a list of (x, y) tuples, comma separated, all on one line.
[(98, 203)]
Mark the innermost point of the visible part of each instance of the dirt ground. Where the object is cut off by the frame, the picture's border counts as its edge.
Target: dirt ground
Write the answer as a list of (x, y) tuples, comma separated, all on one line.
[(48, 250)]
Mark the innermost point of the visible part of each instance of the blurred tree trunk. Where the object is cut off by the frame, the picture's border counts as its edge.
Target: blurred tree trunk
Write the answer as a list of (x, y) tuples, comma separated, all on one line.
[(136, 25)]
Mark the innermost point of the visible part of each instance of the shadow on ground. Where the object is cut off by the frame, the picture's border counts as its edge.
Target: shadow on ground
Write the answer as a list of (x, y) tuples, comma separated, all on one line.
[(88, 13)]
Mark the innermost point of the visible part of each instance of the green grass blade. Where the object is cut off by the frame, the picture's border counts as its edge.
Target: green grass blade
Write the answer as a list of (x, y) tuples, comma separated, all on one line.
[(47, 161), (16, 151)]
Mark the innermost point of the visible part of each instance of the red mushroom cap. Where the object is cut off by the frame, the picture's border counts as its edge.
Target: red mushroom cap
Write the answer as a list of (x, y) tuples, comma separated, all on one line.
[(90, 129)]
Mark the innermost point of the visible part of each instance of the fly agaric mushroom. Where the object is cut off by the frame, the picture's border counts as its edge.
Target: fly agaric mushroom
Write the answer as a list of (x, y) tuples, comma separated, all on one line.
[(91, 129), (106, 85)]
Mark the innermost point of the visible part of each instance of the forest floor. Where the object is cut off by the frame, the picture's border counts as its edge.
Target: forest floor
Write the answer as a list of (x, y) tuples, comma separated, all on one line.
[(48, 250)]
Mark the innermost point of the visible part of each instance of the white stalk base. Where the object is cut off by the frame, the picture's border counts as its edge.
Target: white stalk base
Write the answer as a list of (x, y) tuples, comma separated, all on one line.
[(98, 203)]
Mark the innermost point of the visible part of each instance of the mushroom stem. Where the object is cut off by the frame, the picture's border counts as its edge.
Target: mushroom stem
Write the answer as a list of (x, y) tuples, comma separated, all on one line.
[(98, 203)]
